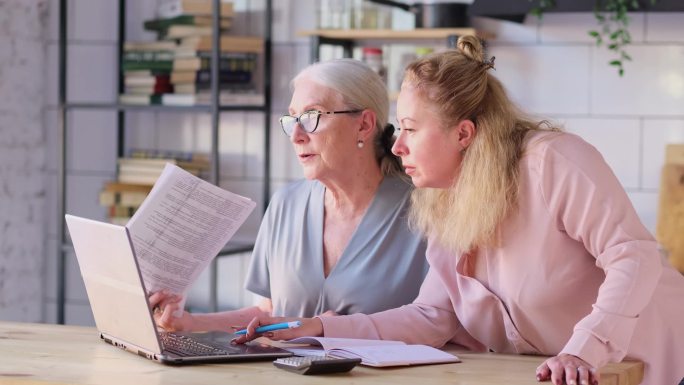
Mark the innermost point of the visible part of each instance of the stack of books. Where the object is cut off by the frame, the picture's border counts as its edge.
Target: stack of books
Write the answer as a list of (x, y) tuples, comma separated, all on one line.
[(146, 70), (176, 69), (122, 200), (137, 174)]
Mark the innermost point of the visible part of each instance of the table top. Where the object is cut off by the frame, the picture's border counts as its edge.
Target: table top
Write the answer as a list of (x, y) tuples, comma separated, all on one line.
[(56, 354)]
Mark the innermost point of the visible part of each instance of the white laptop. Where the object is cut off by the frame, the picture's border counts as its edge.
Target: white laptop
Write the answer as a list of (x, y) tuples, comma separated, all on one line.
[(121, 309)]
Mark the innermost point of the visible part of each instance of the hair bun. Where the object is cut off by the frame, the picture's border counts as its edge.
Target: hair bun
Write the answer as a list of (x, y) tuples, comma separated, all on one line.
[(471, 47)]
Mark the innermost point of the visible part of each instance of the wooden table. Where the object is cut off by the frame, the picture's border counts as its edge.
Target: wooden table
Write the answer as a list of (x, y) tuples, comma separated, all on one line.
[(54, 354)]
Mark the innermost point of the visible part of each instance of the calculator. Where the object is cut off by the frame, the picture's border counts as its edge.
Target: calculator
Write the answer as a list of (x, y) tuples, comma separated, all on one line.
[(316, 364)]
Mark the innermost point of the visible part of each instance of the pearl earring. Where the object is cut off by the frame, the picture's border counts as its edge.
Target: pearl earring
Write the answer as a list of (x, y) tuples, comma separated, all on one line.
[(359, 144)]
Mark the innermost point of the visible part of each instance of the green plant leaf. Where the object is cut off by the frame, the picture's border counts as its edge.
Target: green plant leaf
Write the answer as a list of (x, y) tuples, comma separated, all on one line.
[(613, 21)]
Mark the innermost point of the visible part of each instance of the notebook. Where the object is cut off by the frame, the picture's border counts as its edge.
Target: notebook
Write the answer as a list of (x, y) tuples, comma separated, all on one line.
[(378, 353), (122, 312)]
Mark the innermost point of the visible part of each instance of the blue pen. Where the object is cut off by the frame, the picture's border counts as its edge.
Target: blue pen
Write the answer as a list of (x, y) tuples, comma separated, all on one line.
[(268, 328)]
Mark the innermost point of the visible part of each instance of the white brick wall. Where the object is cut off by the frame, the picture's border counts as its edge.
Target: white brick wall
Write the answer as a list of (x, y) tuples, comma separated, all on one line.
[(551, 68), (22, 159)]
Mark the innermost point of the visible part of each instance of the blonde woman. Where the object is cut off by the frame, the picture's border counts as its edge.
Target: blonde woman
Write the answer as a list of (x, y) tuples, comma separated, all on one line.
[(534, 247)]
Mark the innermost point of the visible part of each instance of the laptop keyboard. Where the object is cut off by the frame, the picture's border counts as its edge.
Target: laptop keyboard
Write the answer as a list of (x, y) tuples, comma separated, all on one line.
[(185, 346)]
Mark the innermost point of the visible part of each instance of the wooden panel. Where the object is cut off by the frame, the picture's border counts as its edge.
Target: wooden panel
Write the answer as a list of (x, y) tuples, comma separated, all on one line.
[(670, 228)]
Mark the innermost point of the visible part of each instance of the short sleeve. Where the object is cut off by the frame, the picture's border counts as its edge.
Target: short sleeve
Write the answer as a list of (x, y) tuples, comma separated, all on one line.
[(258, 279)]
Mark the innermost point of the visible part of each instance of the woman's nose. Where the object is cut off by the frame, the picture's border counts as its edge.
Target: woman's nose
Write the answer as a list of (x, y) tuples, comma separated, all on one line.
[(298, 133), (398, 148)]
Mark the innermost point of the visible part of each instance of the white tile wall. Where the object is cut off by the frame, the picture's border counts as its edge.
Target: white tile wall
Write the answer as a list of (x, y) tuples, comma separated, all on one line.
[(665, 27), (653, 84), (91, 136), (574, 27), (508, 32), (549, 79), (646, 206)]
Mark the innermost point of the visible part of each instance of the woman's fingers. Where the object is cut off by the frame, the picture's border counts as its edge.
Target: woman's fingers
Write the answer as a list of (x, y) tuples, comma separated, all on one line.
[(161, 298), (567, 369), (165, 317), (156, 297), (309, 327), (543, 372)]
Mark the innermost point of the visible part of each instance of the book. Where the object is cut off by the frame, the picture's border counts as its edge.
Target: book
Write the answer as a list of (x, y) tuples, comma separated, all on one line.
[(162, 25), (172, 8), (122, 198), (181, 226), (202, 98), (149, 46), (140, 99), (147, 170), (147, 60), (181, 31), (227, 43), (204, 77), (377, 353)]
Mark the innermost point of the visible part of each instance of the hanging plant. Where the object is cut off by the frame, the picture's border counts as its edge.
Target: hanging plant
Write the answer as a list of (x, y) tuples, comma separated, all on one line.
[(613, 23)]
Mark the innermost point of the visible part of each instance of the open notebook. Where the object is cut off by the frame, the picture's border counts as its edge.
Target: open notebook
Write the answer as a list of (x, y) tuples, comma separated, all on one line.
[(376, 353)]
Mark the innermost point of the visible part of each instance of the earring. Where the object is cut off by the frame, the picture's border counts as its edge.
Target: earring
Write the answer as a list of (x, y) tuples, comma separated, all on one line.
[(359, 144)]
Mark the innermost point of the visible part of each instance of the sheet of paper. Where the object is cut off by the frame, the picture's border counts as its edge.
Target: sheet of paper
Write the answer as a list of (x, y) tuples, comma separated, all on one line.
[(329, 343), (395, 355), (372, 352), (181, 226)]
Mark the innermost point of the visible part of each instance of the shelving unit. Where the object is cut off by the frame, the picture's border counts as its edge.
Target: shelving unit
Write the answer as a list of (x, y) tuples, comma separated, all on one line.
[(214, 108), (348, 38)]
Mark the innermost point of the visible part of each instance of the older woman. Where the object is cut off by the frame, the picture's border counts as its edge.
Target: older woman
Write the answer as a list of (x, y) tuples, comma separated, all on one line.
[(534, 247), (337, 242)]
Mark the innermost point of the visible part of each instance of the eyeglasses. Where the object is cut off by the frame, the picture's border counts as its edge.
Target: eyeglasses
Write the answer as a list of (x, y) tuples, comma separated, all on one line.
[(307, 119)]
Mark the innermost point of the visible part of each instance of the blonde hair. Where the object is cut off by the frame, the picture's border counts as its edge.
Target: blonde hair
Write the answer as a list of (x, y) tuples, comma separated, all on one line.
[(466, 215), (360, 88)]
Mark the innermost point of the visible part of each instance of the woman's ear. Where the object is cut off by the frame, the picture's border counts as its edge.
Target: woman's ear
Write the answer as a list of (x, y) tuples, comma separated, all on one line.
[(465, 132), (367, 127)]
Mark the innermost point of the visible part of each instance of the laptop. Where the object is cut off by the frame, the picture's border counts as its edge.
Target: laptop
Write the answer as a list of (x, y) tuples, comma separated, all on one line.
[(120, 306)]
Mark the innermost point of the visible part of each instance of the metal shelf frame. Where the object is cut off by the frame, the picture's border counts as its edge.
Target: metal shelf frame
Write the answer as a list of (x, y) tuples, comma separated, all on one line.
[(215, 109)]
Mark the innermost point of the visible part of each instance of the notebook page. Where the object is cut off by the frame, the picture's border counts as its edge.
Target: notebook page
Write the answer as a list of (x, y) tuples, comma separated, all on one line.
[(395, 355)]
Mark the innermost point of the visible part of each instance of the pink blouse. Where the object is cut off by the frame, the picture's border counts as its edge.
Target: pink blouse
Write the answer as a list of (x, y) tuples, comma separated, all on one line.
[(577, 273)]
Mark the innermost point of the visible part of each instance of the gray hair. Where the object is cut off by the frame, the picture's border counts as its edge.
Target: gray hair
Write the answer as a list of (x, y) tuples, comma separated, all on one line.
[(360, 88)]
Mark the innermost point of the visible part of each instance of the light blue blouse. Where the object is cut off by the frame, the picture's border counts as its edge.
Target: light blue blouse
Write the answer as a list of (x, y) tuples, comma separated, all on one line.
[(382, 267)]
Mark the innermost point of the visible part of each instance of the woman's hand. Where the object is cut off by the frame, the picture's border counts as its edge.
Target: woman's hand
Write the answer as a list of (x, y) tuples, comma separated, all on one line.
[(311, 327), (164, 305), (566, 367)]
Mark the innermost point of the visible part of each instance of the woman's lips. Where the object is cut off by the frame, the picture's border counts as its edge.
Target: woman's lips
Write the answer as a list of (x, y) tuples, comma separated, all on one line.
[(409, 170)]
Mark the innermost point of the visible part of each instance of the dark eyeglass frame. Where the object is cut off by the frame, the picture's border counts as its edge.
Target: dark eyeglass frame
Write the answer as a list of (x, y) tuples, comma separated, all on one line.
[(297, 119)]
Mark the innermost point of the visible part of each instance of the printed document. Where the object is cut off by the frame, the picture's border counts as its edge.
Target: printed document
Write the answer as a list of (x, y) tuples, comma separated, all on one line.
[(181, 226)]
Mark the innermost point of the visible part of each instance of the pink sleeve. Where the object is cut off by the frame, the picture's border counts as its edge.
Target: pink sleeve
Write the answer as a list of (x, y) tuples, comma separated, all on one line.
[(592, 207), (429, 320)]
